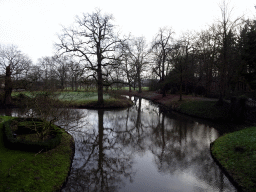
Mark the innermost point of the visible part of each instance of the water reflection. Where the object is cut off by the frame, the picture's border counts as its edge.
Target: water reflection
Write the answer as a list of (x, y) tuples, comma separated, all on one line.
[(100, 161), (142, 149)]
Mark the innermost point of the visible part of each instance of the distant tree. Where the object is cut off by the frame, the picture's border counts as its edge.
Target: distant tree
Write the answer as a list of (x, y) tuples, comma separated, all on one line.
[(226, 27), (247, 42), (12, 62), (206, 53), (92, 40), (161, 47), (139, 54), (34, 77), (47, 65), (182, 61), (76, 71), (61, 70), (129, 69)]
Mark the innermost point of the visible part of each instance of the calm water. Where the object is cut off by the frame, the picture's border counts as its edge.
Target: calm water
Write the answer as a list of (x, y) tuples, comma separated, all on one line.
[(142, 149)]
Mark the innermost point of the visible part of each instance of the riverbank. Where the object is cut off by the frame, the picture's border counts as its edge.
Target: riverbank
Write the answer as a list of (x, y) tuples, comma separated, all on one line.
[(200, 107), (204, 108), (110, 103), (27, 171), (88, 100), (235, 152)]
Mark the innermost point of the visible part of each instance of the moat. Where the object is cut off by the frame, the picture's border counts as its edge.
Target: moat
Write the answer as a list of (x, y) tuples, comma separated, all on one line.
[(143, 149)]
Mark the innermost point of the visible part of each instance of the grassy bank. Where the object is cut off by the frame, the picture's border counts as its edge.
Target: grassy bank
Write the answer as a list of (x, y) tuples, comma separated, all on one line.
[(89, 100), (74, 99), (190, 105), (205, 109), (26, 171), (236, 152)]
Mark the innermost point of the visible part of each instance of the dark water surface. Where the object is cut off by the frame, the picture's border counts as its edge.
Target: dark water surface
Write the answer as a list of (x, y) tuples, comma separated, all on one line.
[(143, 149)]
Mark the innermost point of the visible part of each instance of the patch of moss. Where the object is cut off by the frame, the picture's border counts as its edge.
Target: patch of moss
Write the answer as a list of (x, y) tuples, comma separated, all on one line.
[(236, 152)]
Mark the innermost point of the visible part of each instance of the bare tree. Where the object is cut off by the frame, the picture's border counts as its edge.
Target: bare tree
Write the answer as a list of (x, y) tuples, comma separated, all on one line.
[(48, 68), (34, 77), (206, 48), (61, 70), (139, 54), (94, 42), (161, 46), (12, 62), (184, 61), (129, 69), (226, 27), (76, 71)]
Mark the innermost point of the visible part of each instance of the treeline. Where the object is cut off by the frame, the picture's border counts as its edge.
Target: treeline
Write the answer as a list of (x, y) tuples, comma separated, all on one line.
[(219, 61)]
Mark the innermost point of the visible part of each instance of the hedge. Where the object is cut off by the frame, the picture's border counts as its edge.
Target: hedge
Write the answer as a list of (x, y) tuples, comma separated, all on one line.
[(33, 146)]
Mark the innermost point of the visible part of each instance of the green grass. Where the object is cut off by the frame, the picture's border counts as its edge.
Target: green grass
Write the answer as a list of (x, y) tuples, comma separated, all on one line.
[(25, 171), (205, 109), (83, 99), (26, 93), (71, 96), (80, 97), (236, 152), (111, 103), (90, 99)]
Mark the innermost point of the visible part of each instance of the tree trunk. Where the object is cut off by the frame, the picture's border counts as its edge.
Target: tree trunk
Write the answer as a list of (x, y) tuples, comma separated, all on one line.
[(100, 88), (76, 84), (139, 83), (181, 86), (100, 79), (8, 87), (163, 89)]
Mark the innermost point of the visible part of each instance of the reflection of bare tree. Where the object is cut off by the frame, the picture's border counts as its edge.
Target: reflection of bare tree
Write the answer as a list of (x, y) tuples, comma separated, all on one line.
[(182, 146), (100, 162), (133, 128)]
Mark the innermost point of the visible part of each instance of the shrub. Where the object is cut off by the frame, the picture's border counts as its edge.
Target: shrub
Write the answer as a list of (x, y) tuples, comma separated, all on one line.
[(28, 145)]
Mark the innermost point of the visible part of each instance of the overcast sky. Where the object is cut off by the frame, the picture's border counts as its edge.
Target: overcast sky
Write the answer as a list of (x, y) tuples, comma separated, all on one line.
[(33, 25)]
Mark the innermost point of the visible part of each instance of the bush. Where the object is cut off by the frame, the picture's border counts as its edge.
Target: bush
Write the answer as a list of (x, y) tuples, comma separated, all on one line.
[(27, 145)]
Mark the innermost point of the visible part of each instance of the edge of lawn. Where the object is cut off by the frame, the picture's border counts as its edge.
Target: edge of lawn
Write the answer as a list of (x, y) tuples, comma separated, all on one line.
[(26, 171), (193, 106), (86, 100), (235, 153), (111, 103)]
